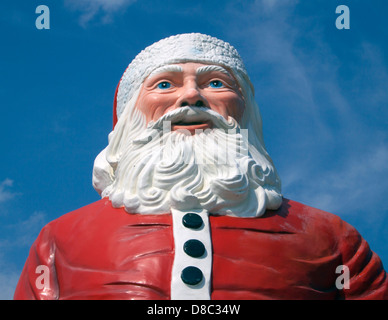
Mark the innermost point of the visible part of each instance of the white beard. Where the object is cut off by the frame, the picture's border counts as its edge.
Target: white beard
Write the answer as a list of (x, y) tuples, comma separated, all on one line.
[(153, 170)]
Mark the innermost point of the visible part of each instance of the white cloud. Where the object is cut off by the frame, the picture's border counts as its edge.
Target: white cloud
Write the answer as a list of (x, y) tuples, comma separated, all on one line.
[(23, 232), (374, 71), (91, 8), (274, 4), (8, 282), (15, 237), (357, 184), (6, 195)]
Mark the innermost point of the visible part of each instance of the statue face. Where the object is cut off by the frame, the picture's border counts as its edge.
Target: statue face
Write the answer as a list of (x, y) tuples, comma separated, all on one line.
[(190, 84)]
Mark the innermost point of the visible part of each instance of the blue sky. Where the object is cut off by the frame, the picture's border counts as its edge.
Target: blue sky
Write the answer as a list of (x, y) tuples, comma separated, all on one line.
[(323, 95)]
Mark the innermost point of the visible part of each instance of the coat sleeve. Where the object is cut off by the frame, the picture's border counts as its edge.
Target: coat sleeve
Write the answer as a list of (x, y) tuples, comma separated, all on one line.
[(38, 279), (365, 271)]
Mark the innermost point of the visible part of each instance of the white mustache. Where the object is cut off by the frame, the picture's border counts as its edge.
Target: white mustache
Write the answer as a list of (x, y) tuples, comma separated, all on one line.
[(189, 114)]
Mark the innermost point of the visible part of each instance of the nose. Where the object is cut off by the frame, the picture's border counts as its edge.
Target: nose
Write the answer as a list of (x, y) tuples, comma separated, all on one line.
[(191, 96)]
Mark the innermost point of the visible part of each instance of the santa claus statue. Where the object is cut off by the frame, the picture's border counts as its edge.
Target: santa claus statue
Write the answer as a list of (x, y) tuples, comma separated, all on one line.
[(191, 202)]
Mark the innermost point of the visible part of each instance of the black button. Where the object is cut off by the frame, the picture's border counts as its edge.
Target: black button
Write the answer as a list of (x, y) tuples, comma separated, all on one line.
[(194, 248), (191, 275), (192, 220)]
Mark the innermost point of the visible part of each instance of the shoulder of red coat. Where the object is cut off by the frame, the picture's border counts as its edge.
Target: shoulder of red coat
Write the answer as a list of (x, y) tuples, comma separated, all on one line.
[(102, 212), (297, 211), (291, 217)]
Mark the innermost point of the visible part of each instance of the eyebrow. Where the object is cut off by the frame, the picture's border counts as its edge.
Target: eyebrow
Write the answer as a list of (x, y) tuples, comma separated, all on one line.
[(168, 68), (211, 68)]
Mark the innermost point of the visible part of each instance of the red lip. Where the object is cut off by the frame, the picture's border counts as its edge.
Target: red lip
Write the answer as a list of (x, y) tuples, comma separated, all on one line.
[(191, 127)]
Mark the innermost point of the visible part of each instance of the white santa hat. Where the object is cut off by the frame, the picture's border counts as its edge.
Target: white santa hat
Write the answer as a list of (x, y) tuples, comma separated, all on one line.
[(194, 47)]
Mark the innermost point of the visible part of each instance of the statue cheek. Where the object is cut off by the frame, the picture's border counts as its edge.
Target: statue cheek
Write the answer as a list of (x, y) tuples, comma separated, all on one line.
[(235, 108), (147, 104)]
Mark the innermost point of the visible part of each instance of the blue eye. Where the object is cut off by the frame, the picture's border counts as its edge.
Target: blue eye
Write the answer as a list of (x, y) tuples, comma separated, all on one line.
[(216, 84), (164, 85)]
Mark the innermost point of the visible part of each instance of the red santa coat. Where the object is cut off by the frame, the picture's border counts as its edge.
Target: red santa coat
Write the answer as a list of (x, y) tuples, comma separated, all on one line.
[(99, 252)]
